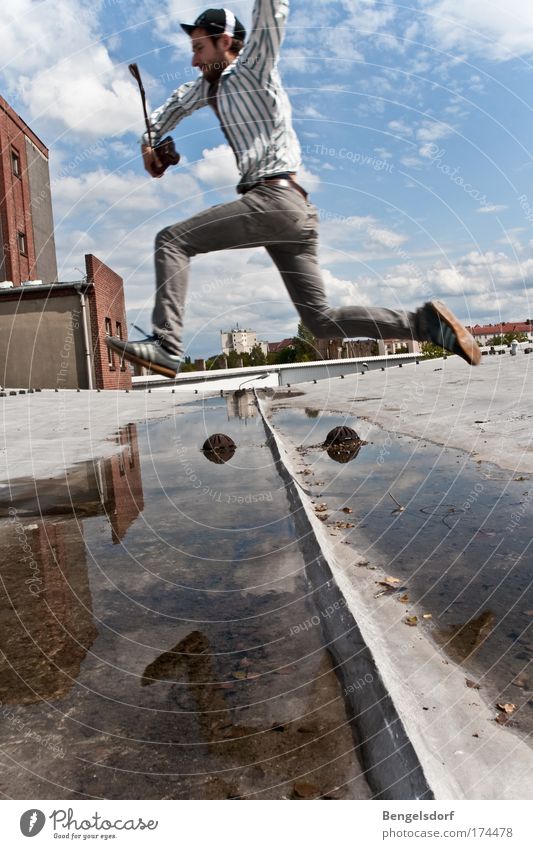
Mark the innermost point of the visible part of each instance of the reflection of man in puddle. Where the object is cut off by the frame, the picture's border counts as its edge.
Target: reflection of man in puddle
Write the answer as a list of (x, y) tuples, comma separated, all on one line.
[(192, 655), (241, 83)]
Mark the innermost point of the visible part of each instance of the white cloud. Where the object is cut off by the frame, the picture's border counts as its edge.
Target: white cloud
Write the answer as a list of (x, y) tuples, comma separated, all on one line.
[(482, 27), (355, 239), (400, 128), (217, 168), (55, 59), (490, 208), (431, 131)]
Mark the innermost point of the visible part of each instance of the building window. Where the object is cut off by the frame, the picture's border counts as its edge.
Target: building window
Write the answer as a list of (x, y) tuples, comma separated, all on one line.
[(119, 334), (15, 163), (23, 247), (110, 354)]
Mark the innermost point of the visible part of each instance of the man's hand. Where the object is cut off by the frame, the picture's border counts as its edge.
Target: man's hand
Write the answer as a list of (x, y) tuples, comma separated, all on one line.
[(151, 162)]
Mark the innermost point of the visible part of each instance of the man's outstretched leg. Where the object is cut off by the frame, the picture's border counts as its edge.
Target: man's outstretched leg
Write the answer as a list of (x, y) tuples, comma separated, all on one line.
[(298, 265), (229, 225)]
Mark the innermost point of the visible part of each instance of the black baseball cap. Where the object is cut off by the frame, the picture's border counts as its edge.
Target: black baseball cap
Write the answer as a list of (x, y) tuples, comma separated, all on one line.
[(217, 22)]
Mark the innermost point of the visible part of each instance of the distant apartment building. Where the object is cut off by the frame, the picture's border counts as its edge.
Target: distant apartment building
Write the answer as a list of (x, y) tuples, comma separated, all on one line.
[(240, 341), (387, 347), (483, 333), (51, 333)]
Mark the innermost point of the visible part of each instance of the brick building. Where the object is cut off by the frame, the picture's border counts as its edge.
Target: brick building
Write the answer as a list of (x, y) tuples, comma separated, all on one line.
[(108, 318), (52, 336), (27, 248), (51, 333), (483, 333)]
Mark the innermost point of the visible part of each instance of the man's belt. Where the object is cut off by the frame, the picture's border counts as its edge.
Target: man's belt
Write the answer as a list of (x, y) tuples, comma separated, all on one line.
[(285, 182), (279, 180)]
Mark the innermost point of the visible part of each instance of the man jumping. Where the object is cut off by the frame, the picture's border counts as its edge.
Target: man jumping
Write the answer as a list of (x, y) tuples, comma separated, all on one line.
[(241, 83)]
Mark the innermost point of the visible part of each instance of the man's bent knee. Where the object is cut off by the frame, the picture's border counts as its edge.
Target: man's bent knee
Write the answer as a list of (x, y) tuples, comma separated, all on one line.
[(174, 236)]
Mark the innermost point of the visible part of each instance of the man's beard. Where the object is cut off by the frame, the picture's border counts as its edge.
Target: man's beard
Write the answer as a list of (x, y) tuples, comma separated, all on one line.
[(212, 72)]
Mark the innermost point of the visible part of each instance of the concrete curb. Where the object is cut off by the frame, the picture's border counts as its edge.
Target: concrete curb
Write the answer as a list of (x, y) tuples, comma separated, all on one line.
[(392, 768)]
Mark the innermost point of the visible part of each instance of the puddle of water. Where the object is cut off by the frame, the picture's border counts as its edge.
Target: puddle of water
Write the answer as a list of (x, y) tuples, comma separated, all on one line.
[(456, 532), (151, 628)]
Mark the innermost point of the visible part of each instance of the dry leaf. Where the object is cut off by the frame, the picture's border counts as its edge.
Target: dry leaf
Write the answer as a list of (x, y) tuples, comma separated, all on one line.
[(507, 708), (427, 616), (320, 508), (404, 598), (347, 510), (389, 583), (411, 620), (240, 675), (501, 719), (472, 684), (521, 681)]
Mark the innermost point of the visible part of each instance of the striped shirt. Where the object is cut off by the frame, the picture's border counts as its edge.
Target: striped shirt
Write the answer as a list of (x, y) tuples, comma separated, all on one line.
[(251, 104)]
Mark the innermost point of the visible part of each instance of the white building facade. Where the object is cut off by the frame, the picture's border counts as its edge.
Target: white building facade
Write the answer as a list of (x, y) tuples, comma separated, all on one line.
[(240, 341)]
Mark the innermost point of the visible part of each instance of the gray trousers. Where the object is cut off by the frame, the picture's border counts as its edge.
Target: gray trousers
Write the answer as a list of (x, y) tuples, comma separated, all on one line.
[(280, 219)]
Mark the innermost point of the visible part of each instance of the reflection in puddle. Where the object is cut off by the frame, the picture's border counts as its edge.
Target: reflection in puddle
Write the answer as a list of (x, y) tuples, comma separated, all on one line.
[(47, 623), (459, 538), (462, 641), (148, 627)]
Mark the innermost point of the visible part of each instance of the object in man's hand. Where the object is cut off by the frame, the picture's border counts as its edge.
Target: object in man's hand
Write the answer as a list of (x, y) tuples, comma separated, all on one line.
[(166, 153), (165, 150)]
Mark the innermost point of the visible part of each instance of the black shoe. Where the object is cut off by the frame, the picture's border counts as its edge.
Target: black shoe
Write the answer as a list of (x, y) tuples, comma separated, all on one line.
[(439, 325), (147, 352)]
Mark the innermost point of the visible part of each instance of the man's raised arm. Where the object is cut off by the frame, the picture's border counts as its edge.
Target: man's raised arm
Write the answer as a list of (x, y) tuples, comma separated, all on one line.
[(182, 102), (261, 50)]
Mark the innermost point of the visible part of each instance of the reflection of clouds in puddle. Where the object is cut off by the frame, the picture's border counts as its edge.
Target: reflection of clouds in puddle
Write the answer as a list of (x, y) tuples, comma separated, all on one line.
[(450, 544), (243, 696)]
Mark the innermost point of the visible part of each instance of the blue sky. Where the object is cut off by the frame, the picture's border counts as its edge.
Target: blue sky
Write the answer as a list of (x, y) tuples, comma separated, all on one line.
[(415, 122)]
